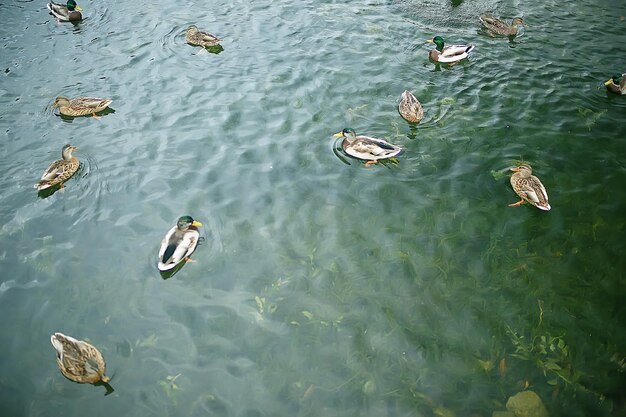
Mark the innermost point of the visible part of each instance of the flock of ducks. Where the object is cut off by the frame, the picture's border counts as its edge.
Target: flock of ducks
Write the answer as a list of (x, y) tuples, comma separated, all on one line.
[(80, 361)]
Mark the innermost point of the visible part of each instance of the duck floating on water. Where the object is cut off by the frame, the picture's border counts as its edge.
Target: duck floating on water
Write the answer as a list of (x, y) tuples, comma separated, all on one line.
[(60, 170), (81, 106), (499, 27), (366, 148), (410, 108), (198, 38), (179, 243), (65, 13), (78, 360), (617, 84), (529, 188), (448, 54)]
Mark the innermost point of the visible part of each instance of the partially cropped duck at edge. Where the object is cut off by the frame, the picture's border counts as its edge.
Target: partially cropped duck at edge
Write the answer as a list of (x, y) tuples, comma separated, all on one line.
[(410, 108), (366, 148), (617, 84), (199, 38), (448, 54), (499, 27), (529, 188), (59, 171), (65, 13), (78, 360), (179, 243), (81, 106)]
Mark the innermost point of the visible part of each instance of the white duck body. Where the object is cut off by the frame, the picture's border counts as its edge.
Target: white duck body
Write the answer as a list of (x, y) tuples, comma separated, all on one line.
[(184, 244)]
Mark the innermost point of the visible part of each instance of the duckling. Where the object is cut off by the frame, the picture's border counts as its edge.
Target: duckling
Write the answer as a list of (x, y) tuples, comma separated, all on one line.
[(366, 148), (448, 54), (67, 13), (617, 84), (78, 360), (81, 106), (59, 171), (499, 27), (529, 188), (198, 38), (179, 243), (410, 108)]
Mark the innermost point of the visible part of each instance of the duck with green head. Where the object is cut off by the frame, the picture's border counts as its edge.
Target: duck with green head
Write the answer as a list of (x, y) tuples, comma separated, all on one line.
[(448, 54), (366, 148), (65, 13), (616, 84), (179, 243)]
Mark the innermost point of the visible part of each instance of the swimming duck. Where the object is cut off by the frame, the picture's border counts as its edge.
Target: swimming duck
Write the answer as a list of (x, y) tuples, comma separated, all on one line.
[(59, 171), (78, 360), (67, 13), (449, 54), (81, 106), (410, 108), (198, 38), (179, 243), (367, 148), (529, 188), (617, 84), (499, 27)]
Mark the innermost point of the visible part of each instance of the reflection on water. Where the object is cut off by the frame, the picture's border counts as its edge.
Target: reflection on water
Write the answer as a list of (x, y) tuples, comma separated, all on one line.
[(321, 285)]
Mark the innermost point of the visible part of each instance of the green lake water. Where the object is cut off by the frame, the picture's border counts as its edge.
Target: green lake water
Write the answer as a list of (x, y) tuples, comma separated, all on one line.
[(323, 288)]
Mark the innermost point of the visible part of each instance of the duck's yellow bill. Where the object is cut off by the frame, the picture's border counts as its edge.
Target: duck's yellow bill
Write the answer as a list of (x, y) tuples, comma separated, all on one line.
[(196, 223), (78, 8), (608, 81), (430, 41), (337, 135)]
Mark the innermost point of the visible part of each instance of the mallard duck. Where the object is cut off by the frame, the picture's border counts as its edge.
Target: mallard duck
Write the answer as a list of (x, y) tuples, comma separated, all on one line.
[(67, 13), (529, 188), (78, 360), (179, 243), (448, 54), (59, 171), (198, 38), (410, 108), (367, 148), (617, 84), (81, 106), (499, 27)]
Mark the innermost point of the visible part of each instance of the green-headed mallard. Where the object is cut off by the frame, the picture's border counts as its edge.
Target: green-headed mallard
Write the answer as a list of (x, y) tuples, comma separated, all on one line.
[(410, 108), (499, 27), (617, 84), (529, 188), (78, 360), (179, 243), (81, 106), (448, 54), (65, 13), (198, 38), (366, 148), (59, 171)]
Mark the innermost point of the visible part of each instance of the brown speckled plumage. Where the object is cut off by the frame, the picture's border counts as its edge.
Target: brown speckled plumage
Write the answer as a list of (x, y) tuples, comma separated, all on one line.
[(78, 360), (529, 187)]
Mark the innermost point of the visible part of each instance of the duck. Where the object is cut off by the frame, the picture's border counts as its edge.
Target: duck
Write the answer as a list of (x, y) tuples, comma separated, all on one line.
[(78, 360), (66, 13), (81, 106), (198, 38), (449, 54), (366, 148), (529, 187), (59, 171), (410, 108), (499, 27), (617, 84), (179, 243)]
